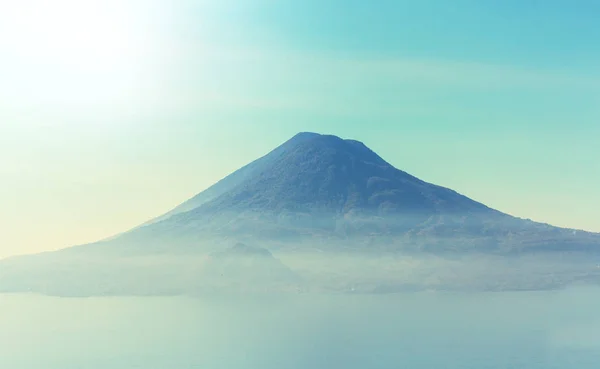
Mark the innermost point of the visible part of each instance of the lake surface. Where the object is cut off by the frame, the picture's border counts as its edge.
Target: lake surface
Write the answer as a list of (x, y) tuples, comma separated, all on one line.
[(542, 330)]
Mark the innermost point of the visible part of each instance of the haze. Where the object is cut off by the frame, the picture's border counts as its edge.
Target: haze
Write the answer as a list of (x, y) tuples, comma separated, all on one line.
[(420, 331), (103, 128)]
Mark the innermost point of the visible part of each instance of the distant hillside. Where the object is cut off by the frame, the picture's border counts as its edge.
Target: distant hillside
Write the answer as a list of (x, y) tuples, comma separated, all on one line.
[(248, 264)]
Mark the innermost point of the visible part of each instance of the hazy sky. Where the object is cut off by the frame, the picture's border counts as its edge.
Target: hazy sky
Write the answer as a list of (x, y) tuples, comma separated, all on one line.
[(114, 111)]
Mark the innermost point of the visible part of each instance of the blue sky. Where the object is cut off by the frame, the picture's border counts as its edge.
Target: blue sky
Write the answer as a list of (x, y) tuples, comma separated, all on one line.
[(105, 127)]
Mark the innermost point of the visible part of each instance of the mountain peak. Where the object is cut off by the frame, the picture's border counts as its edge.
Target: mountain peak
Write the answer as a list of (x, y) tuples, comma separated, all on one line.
[(317, 182), (325, 139), (305, 135), (326, 145)]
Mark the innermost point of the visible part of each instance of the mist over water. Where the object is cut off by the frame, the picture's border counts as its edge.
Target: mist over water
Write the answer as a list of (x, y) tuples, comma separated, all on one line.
[(553, 329)]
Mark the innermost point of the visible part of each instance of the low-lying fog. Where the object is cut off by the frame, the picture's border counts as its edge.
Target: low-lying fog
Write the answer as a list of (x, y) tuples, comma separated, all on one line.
[(535, 330), (255, 269), (247, 308)]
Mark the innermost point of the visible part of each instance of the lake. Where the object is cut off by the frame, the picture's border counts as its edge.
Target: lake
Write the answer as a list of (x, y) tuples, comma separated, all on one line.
[(544, 330)]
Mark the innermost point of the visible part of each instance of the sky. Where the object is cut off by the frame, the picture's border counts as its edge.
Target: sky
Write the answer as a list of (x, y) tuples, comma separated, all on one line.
[(113, 112)]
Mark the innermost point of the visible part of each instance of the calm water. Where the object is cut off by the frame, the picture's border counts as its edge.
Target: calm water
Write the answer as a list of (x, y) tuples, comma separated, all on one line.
[(428, 330)]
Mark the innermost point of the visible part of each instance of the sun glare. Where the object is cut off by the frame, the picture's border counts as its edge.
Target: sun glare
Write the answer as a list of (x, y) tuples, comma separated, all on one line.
[(71, 51)]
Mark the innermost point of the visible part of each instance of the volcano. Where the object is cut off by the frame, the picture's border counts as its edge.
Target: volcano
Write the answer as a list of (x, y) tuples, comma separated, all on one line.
[(314, 193), (321, 191)]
